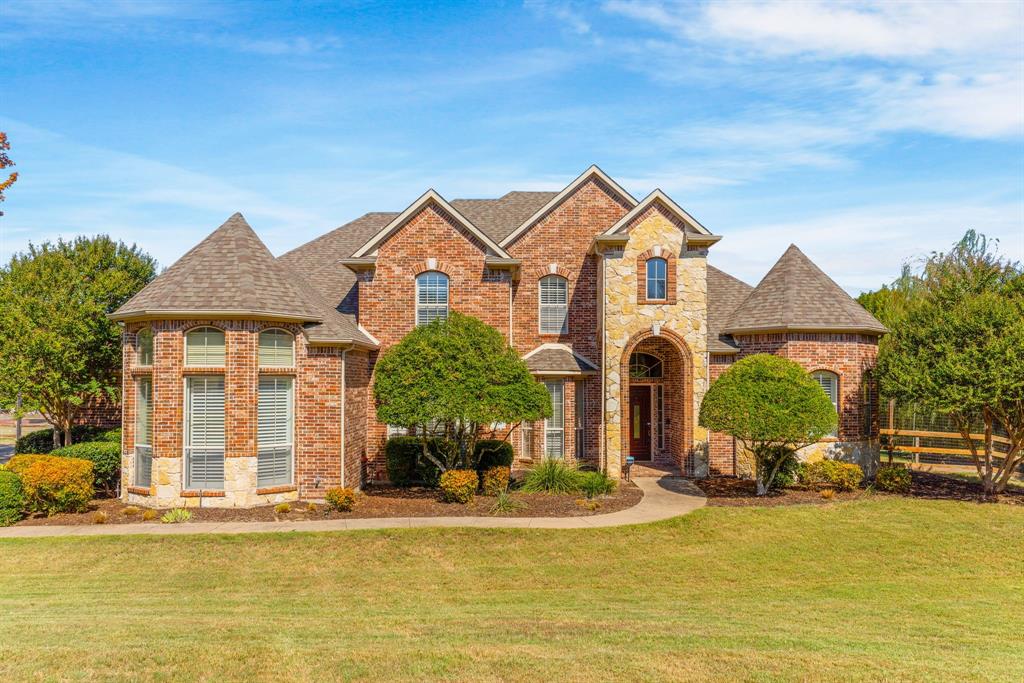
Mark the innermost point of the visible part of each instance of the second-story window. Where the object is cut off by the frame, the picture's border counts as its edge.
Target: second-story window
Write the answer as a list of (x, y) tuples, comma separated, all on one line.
[(431, 297), (656, 270), (554, 305)]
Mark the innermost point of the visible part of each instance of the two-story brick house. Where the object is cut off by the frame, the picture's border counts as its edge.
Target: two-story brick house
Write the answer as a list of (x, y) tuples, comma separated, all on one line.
[(248, 378)]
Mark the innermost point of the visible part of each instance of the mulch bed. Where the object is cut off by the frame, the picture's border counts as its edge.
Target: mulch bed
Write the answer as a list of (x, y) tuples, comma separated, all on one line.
[(729, 492), (376, 501)]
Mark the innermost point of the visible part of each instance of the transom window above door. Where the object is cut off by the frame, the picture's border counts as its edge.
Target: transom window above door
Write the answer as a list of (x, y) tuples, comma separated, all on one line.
[(645, 366)]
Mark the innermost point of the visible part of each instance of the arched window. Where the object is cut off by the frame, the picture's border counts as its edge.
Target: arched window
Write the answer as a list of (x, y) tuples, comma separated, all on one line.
[(431, 297), (144, 344), (277, 348), (645, 366), (204, 346), (657, 269), (554, 305), (829, 382)]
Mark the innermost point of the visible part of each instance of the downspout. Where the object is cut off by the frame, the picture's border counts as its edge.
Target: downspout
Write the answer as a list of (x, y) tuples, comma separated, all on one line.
[(344, 371), (602, 450)]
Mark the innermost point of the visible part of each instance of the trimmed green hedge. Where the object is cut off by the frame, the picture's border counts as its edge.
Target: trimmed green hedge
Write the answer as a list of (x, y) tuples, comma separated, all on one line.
[(42, 441), (406, 464), (493, 453), (105, 457), (12, 498)]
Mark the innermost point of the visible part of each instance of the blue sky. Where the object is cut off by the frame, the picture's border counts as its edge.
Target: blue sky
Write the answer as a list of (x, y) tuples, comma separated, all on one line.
[(866, 133)]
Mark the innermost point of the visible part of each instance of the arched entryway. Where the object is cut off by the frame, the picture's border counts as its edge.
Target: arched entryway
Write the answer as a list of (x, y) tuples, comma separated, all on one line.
[(657, 399)]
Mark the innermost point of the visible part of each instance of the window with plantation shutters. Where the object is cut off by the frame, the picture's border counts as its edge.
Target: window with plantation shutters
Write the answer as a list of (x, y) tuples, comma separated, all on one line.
[(204, 346), (143, 431), (144, 342), (277, 349), (829, 382), (554, 305), (274, 431), (554, 426), (431, 297), (204, 432)]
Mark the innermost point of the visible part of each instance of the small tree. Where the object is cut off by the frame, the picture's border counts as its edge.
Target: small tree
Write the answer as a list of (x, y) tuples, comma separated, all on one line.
[(455, 378), (57, 347), (5, 162), (771, 406), (960, 353)]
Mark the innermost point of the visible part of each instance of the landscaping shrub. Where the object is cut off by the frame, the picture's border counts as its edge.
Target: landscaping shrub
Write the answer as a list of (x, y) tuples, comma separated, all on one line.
[(42, 441), (176, 516), (893, 478), (595, 484), (12, 498), (54, 484), (506, 503), (841, 476), (148, 515), (493, 453), (788, 471), (458, 486), (105, 457), (495, 480), (282, 508), (552, 476), (112, 435), (406, 464), (339, 498)]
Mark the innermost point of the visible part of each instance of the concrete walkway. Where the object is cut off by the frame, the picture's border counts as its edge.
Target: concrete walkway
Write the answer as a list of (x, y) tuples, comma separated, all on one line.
[(663, 498)]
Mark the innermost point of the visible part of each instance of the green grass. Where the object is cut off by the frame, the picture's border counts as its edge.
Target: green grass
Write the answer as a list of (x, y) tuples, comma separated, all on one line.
[(878, 589)]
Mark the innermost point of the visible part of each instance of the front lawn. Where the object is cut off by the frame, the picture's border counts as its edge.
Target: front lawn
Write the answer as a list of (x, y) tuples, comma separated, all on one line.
[(878, 588)]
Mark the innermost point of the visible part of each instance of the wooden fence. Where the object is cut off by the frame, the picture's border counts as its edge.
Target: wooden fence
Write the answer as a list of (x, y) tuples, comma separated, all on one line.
[(929, 437)]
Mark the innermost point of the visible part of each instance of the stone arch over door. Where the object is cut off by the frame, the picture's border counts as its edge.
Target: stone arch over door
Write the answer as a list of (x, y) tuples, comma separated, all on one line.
[(677, 382)]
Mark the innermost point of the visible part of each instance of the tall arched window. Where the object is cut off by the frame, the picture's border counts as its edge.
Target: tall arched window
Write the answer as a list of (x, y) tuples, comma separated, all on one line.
[(277, 348), (657, 270), (431, 297), (829, 382), (204, 346), (645, 366), (554, 305), (144, 343)]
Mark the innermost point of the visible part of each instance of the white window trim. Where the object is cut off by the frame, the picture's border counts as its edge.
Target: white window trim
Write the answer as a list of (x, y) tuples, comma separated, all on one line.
[(648, 279), (139, 442), (186, 421), (541, 306), (447, 298), (290, 444), (548, 428)]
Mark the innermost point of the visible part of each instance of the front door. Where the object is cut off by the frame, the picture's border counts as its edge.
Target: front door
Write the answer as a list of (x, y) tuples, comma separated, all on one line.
[(640, 422)]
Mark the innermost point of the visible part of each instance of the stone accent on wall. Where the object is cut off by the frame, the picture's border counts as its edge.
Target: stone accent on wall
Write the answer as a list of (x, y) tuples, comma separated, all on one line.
[(683, 324)]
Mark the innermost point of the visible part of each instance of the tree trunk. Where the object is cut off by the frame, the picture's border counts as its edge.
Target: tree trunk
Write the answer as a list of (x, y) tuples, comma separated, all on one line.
[(56, 437)]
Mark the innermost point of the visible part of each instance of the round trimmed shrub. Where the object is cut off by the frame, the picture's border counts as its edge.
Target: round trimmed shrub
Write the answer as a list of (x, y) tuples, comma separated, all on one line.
[(112, 435), (495, 480), (54, 484), (458, 486), (105, 457), (12, 498), (493, 453), (893, 478), (342, 499), (400, 454)]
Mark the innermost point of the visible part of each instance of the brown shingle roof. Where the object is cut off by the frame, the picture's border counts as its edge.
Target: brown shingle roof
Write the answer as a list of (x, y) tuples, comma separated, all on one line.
[(230, 271), (797, 295), (725, 294), (556, 359), (498, 217)]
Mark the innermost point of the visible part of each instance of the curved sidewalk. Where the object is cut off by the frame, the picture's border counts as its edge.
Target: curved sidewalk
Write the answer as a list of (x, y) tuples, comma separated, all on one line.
[(663, 498)]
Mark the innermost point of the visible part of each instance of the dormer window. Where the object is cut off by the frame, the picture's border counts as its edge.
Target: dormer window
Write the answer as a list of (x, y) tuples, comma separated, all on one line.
[(657, 270)]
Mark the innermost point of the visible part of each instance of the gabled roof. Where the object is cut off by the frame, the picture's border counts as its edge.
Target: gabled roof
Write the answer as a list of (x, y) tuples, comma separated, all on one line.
[(592, 172), (427, 198), (557, 359), (725, 294), (796, 295), (230, 273), (499, 217), (659, 197)]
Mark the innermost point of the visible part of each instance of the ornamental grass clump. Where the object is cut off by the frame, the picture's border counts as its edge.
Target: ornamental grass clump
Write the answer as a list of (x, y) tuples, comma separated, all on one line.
[(505, 504), (176, 516), (54, 484), (458, 486), (594, 484), (552, 476)]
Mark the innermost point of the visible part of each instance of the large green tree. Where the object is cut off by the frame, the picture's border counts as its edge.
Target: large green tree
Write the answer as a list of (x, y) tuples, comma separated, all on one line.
[(960, 352), (773, 407), (455, 378), (57, 346)]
